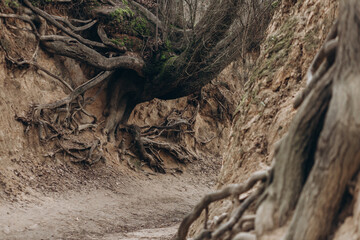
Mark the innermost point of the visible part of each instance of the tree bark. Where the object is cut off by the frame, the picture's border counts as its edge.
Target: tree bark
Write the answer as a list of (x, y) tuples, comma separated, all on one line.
[(320, 154), (70, 47)]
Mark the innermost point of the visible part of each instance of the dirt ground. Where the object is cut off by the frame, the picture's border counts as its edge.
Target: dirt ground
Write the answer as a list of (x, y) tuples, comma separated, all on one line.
[(140, 206)]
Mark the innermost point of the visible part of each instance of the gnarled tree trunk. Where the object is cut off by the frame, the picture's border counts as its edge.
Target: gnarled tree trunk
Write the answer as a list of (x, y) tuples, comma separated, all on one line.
[(320, 154)]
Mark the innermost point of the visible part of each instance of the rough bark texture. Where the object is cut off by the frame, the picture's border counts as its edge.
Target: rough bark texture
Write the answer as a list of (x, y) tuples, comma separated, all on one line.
[(294, 158), (320, 154), (338, 153), (69, 47)]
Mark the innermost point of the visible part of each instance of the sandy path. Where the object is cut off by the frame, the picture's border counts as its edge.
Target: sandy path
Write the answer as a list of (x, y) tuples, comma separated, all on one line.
[(147, 208)]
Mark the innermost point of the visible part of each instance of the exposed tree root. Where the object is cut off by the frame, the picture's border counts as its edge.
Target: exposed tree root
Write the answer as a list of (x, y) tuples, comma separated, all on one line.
[(149, 150), (179, 152), (72, 27), (102, 34), (74, 94), (37, 66), (235, 191), (51, 20), (80, 152), (321, 64), (156, 164), (24, 18), (72, 48)]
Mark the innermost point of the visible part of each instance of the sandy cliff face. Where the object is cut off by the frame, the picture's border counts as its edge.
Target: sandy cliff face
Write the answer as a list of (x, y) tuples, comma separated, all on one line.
[(265, 110), (265, 107), (266, 101), (19, 89)]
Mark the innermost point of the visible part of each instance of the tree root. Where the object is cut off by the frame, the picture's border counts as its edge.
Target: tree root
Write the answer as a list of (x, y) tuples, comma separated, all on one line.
[(72, 27), (41, 119), (156, 163), (318, 67), (37, 66), (180, 153), (50, 19), (52, 124), (148, 150), (233, 190), (101, 77), (24, 18), (70, 47), (92, 153), (102, 34)]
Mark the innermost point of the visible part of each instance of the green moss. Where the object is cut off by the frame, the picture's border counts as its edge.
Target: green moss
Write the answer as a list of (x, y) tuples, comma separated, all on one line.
[(118, 42), (140, 26), (120, 14), (160, 69), (167, 66), (127, 42), (275, 4), (11, 3), (168, 44), (163, 57)]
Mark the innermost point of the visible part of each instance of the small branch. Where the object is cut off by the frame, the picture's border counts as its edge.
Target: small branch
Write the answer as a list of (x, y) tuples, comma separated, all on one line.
[(206, 217), (167, 127), (81, 21)]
